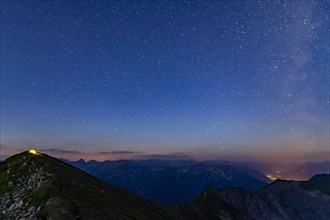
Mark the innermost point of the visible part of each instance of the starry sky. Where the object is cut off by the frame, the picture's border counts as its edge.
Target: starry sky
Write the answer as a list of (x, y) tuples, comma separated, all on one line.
[(237, 80)]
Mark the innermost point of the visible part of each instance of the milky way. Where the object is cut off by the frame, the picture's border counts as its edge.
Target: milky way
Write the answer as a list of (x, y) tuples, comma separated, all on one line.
[(229, 79)]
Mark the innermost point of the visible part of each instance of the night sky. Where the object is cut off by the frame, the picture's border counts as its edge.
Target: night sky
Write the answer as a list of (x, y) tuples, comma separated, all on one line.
[(238, 80)]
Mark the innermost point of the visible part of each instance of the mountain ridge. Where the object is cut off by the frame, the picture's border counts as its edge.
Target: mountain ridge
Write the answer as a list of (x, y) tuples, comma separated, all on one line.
[(58, 190), (283, 199), (37, 186), (183, 180)]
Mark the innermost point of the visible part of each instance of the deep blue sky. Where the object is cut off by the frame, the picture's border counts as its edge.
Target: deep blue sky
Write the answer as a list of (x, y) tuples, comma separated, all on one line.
[(226, 79)]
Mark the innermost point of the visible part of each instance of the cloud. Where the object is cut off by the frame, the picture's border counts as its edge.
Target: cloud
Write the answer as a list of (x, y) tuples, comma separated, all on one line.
[(119, 152), (169, 156), (60, 151)]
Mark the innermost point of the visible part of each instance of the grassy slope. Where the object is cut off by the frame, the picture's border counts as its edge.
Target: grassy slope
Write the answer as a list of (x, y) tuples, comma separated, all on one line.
[(70, 193)]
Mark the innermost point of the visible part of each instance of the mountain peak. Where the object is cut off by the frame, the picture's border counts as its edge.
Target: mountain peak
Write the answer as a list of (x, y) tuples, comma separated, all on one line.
[(319, 177), (37, 186), (81, 160), (320, 182), (22, 176)]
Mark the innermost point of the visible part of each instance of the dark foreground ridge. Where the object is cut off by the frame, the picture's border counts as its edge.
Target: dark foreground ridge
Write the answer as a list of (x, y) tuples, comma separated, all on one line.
[(37, 186)]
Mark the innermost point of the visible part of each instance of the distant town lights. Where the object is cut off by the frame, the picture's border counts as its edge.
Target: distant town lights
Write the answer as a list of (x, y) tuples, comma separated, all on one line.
[(271, 177)]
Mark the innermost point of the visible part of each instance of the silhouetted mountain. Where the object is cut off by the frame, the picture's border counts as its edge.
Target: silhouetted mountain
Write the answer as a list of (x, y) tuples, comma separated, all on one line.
[(171, 182), (288, 200), (209, 205), (318, 182), (283, 199)]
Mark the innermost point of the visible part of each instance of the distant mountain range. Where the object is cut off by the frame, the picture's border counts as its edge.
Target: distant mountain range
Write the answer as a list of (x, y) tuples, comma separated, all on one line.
[(185, 179), (37, 186), (172, 182)]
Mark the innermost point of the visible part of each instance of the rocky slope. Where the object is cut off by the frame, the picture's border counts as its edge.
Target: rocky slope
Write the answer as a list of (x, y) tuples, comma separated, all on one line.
[(209, 205), (284, 199), (41, 187)]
